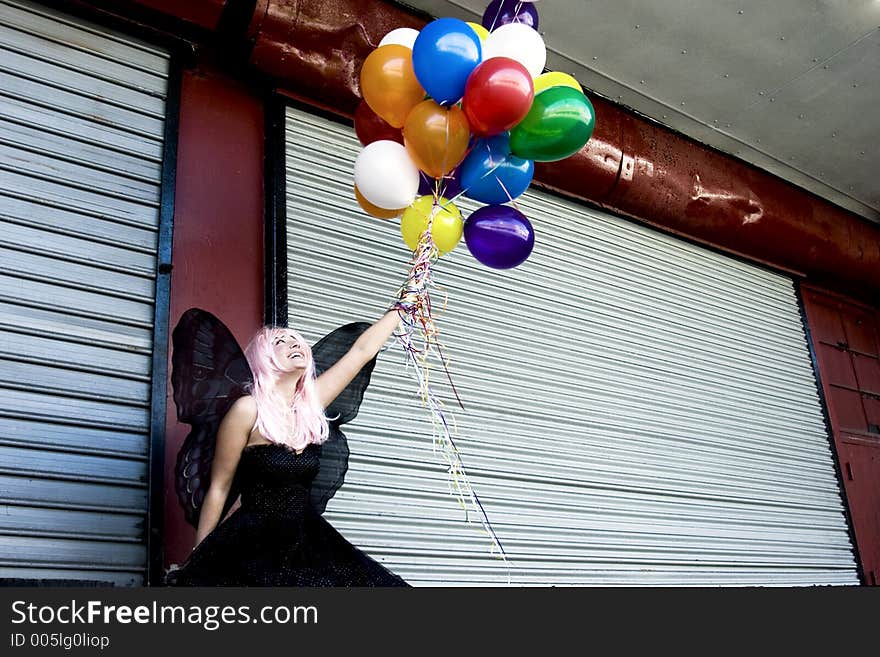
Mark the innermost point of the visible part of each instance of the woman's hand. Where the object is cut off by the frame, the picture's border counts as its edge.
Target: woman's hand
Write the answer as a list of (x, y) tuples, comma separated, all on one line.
[(410, 293)]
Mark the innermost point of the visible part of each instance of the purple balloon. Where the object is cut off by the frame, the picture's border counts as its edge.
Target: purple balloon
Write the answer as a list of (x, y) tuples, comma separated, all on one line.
[(502, 12), (499, 236), (450, 184)]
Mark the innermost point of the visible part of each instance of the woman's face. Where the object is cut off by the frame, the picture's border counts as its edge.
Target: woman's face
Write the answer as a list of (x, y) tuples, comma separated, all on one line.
[(290, 354)]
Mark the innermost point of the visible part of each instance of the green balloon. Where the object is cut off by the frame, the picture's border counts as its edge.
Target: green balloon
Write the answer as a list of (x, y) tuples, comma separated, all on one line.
[(559, 123)]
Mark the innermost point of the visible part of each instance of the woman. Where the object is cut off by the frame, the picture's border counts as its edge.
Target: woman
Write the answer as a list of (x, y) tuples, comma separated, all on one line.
[(270, 441)]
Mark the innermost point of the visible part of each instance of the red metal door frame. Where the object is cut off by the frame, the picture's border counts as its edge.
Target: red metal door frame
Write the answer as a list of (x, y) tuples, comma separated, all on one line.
[(845, 339)]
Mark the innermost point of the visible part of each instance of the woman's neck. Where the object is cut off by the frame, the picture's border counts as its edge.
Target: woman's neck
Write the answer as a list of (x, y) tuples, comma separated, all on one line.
[(286, 384)]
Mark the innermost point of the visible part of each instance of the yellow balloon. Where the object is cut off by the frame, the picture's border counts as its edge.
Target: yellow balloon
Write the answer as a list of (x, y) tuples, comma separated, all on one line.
[(481, 31), (555, 79), (446, 228)]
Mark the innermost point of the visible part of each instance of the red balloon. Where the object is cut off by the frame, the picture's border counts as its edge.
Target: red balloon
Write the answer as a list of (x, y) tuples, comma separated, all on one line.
[(497, 96), (371, 127)]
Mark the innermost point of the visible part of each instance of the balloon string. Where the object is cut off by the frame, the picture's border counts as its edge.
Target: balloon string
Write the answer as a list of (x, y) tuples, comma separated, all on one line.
[(417, 318), (509, 197), (488, 173), (445, 146), (426, 243), (448, 375), (465, 190), (441, 190), (498, 180), (460, 483), (498, 13), (428, 236)]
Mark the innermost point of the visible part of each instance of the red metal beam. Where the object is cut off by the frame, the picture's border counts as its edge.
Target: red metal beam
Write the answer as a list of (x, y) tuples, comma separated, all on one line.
[(318, 47)]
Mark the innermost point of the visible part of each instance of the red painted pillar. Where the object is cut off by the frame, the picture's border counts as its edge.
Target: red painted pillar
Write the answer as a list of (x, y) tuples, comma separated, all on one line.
[(217, 254), (846, 340)]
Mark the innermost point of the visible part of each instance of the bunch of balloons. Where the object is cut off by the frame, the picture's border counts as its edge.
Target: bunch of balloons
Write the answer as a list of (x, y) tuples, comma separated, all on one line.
[(462, 108)]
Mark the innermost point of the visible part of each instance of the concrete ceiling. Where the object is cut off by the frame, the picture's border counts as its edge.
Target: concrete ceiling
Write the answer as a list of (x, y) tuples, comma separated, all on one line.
[(791, 86)]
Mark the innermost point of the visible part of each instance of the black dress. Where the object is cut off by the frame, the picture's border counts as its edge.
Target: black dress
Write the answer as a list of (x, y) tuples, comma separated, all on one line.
[(276, 537)]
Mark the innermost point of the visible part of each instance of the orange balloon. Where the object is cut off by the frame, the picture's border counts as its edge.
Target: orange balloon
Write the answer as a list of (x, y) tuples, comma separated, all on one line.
[(436, 137), (375, 210), (389, 84)]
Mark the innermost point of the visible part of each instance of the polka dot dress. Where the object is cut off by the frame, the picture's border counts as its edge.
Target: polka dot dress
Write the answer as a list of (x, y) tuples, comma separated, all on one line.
[(276, 538)]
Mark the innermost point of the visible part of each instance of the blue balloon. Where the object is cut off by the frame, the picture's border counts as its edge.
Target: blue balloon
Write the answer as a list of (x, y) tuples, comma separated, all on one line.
[(491, 174), (444, 54)]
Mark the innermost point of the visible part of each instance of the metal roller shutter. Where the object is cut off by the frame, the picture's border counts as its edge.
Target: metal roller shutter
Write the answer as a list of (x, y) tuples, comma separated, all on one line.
[(639, 410), (82, 113)]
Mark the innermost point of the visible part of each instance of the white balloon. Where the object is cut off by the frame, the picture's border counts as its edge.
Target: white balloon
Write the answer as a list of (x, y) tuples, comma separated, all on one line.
[(386, 175), (404, 36), (520, 42)]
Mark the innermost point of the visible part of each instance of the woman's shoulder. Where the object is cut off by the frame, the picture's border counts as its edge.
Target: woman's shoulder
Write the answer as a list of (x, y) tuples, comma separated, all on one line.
[(244, 408)]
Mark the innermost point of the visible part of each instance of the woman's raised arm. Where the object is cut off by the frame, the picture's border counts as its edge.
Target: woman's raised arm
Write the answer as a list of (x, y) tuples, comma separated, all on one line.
[(335, 378)]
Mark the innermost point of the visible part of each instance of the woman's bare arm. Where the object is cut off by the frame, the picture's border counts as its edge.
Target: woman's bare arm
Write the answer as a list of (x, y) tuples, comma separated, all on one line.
[(334, 380), (232, 437)]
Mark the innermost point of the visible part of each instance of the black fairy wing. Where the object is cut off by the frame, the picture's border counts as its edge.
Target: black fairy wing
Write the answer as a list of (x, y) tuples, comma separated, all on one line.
[(208, 373), (334, 465), (334, 452)]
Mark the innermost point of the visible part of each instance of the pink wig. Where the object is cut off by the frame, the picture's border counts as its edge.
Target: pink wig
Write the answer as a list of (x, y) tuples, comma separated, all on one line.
[(293, 422)]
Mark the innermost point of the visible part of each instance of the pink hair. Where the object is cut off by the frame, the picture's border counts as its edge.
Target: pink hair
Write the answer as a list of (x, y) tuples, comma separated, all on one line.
[(293, 422)]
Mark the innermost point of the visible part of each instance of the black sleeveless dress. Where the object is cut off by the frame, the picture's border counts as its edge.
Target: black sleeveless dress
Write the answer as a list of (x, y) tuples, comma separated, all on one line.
[(276, 537)]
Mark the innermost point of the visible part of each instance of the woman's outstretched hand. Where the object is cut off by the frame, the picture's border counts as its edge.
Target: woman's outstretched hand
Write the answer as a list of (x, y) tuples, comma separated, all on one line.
[(410, 293)]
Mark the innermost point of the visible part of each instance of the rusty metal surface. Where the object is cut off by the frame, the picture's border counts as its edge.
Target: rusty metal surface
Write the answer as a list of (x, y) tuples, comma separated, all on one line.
[(317, 48), (594, 171), (671, 181)]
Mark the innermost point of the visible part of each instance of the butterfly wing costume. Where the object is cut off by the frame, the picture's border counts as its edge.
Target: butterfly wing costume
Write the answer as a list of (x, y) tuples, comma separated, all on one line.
[(278, 536)]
